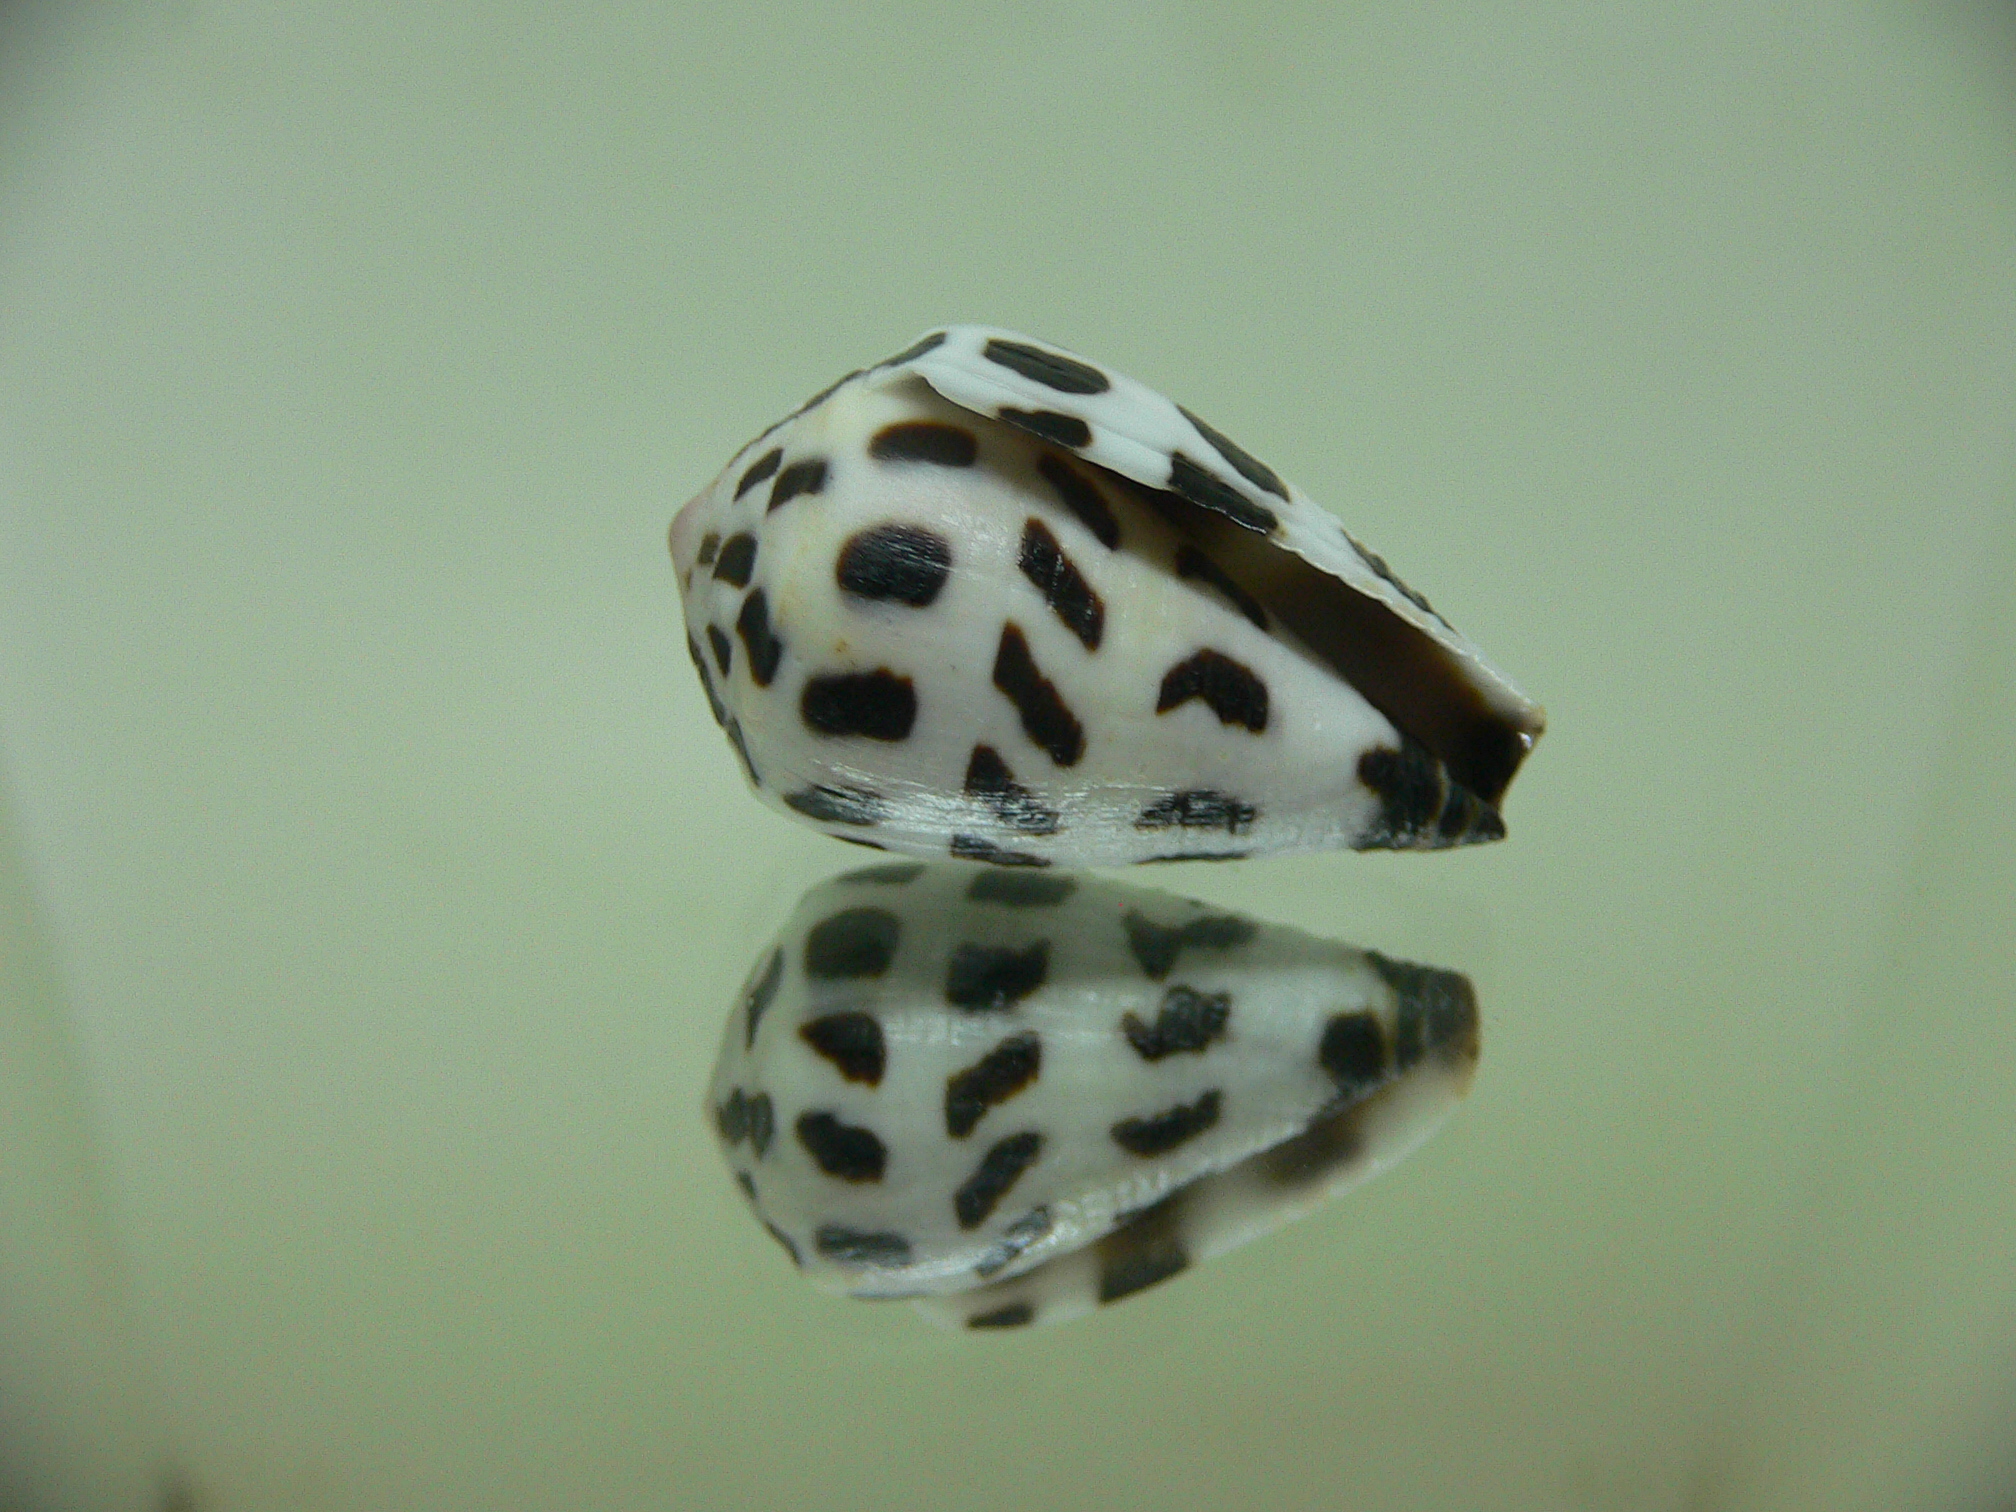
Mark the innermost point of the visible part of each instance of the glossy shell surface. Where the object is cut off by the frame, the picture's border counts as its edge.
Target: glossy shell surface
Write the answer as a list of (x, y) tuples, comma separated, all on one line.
[(990, 600), (1016, 1096)]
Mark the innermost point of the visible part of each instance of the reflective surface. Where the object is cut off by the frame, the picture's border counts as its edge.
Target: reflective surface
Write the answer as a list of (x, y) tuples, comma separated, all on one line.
[(378, 879)]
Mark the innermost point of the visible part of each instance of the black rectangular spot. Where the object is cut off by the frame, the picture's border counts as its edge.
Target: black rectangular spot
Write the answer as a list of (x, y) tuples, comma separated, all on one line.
[(1250, 467), (1159, 1133), (852, 1041), (766, 650), (845, 1151), (1082, 498), (1054, 370), (861, 807), (1031, 1227), (759, 470), (737, 559), (1051, 425), (1353, 1051), (1198, 808), (1063, 587), (999, 1169), (1206, 489), (979, 848), (990, 978), (853, 1246), (1144, 1249), (993, 1079), (1019, 890), (1045, 718), (876, 705), (852, 944), (927, 441), (1013, 1315), (806, 477)]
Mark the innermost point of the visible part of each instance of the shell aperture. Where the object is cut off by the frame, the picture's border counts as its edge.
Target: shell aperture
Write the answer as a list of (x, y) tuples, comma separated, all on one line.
[(1015, 1096), (992, 601)]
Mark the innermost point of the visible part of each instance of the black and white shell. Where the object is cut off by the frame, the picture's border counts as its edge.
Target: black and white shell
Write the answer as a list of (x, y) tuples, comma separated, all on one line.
[(1016, 1096), (990, 600)]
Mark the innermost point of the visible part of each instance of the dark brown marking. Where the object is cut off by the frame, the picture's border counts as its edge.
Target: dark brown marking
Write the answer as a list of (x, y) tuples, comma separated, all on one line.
[(1020, 890), (905, 563), (1437, 1012), (762, 1124), (843, 1151), (1159, 1133), (979, 848), (1016, 1238), (737, 559), (1250, 467), (741, 745), (1145, 1250), (723, 648), (759, 470), (1051, 425), (1198, 808), (1156, 946), (993, 1079), (732, 1117), (999, 1169), (1409, 785), (852, 1041), (850, 1246), (928, 441), (1209, 491), (761, 993), (876, 705), (915, 350), (709, 544), (1353, 1051), (747, 1117), (1012, 1315), (748, 1184), (894, 875), (1386, 574), (707, 682), (1187, 1023), (832, 805), (1192, 563), (989, 777), (1238, 855), (1082, 498), (1332, 1140), (988, 978), (1063, 587), (1045, 718), (851, 944), (1067, 375), (765, 649), (805, 477), (1228, 687)]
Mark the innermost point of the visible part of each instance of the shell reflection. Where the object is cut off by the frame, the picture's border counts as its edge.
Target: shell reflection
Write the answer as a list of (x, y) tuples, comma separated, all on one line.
[(1014, 1095)]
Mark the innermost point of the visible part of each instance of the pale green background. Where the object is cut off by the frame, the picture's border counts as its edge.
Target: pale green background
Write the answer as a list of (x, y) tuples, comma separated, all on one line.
[(375, 881)]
